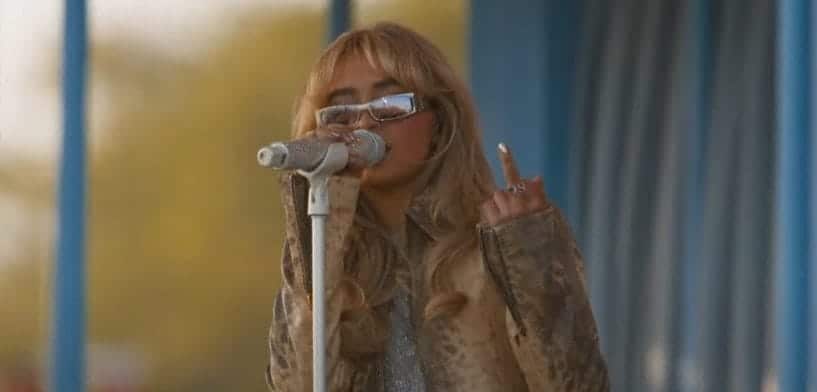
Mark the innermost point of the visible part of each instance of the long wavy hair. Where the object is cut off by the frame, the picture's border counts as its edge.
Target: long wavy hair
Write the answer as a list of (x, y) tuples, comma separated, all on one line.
[(454, 181)]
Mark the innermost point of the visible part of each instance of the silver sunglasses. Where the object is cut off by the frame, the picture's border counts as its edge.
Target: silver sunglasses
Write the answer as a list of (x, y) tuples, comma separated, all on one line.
[(390, 107)]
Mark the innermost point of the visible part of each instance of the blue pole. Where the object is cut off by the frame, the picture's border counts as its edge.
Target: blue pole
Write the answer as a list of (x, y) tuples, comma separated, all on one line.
[(694, 192), (812, 312), (792, 209), (68, 331), (339, 18)]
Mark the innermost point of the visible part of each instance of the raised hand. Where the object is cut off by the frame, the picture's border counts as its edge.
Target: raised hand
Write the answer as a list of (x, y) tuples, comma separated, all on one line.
[(521, 197)]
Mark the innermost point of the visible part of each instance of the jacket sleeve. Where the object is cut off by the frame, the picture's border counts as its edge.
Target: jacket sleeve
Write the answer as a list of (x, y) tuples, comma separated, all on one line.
[(290, 335), (537, 266)]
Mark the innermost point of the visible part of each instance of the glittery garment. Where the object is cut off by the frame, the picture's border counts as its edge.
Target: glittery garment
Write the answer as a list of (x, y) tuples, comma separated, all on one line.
[(401, 366), (527, 324)]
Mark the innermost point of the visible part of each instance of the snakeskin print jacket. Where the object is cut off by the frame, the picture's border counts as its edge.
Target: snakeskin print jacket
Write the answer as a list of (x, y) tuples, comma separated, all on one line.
[(527, 324)]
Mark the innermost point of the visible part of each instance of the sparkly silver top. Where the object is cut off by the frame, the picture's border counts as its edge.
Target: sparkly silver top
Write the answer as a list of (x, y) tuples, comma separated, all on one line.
[(402, 372)]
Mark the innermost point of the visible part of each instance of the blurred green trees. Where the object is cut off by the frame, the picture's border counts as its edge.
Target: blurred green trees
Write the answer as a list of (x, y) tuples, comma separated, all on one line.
[(185, 229)]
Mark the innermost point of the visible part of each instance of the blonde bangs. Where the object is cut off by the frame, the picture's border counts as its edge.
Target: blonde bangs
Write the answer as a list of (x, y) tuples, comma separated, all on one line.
[(384, 48)]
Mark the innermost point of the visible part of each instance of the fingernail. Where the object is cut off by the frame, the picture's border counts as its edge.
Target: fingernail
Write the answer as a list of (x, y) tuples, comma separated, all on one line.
[(502, 147)]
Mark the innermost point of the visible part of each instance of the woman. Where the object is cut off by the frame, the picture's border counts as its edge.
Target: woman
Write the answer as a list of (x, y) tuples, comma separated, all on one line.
[(436, 280)]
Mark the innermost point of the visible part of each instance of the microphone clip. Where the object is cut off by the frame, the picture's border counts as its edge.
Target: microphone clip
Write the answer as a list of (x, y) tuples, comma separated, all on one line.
[(337, 156)]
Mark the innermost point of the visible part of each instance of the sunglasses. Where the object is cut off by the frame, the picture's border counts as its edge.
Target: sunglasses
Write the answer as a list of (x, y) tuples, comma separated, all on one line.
[(390, 107)]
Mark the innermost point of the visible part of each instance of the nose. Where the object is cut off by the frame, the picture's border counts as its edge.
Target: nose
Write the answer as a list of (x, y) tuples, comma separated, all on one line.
[(365, 121)]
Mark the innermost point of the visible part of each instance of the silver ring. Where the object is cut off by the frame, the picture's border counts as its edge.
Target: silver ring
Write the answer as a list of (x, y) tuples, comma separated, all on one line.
[(518, 188)]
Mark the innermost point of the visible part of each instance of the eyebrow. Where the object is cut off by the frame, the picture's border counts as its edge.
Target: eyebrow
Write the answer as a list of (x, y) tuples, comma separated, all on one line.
[(385, 84), (340, 92), (350, 91)]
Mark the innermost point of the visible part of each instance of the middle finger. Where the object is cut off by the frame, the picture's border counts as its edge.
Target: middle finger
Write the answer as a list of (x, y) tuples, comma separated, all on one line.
[(509, 169)]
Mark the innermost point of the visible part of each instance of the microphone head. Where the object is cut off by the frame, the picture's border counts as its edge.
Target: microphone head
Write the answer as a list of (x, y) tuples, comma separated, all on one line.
[(371, 148), (273, 155)]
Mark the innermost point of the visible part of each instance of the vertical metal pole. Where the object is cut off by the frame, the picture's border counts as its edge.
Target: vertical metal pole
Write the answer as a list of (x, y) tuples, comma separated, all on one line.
[(68, 330), (339, 22), (792, 209), (339, 18), (336, 158), (319, 371)]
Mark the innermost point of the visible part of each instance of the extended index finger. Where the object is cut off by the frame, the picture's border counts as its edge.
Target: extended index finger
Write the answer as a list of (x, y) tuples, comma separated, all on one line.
[(509, 169)]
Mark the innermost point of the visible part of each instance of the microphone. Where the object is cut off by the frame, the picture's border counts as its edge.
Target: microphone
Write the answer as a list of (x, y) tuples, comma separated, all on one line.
[(306, 154)]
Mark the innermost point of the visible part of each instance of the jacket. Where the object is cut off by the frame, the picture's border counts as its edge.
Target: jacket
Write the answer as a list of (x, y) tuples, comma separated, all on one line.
[(527, 324)]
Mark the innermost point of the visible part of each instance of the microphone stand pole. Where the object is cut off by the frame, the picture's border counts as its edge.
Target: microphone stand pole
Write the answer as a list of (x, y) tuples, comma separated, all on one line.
[(318, 209)]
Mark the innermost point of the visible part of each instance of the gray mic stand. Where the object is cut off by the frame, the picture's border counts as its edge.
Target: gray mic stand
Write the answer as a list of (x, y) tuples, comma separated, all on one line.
[(336, 158), (286, 156)]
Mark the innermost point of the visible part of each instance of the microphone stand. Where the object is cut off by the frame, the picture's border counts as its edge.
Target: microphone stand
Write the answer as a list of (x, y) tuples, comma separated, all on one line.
[(336, 158)]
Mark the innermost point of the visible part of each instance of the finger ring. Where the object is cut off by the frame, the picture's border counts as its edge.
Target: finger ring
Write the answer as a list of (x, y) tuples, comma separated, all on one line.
[(517, 188)]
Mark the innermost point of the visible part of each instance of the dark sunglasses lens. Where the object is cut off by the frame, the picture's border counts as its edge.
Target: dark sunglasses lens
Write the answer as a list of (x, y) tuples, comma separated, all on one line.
[(392, 107), (340, 115)]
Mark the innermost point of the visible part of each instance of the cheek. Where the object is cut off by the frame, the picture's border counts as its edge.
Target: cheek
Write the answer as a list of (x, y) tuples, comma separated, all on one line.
[(411, 138)]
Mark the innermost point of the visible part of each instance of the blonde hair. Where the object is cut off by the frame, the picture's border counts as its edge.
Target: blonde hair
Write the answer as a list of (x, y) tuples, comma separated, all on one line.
[(456, 177)]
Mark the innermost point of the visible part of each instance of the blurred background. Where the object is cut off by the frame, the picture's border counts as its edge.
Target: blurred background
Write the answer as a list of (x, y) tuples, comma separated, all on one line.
[(675, 134)]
